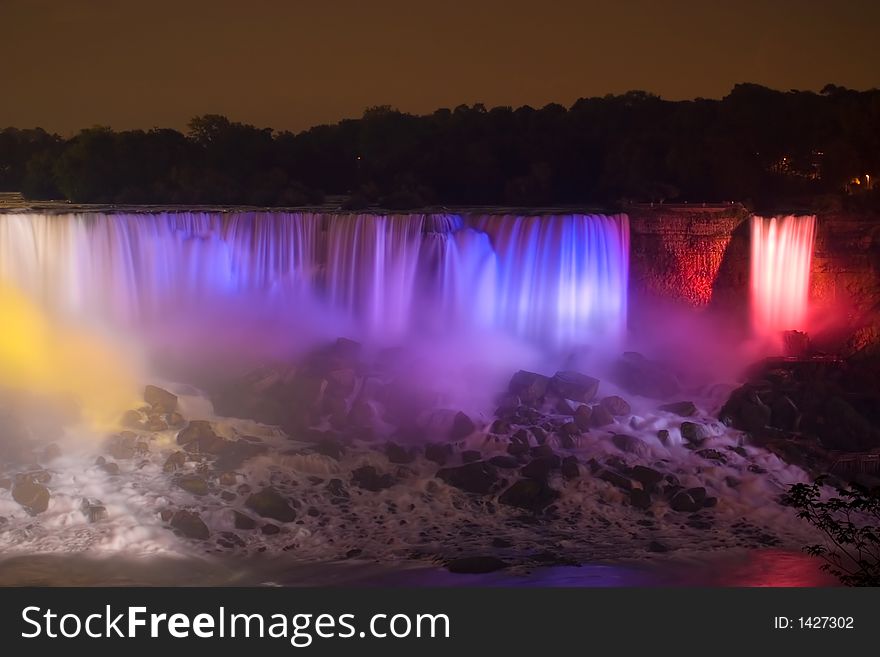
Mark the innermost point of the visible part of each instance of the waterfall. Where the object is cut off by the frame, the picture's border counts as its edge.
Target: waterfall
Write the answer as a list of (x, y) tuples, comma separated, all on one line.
[(556, 280), (782, 248)]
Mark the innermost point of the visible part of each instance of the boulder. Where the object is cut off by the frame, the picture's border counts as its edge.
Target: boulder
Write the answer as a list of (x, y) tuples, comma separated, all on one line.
[(630, 445), (682, 408), (640, 498), (198, 436), (615, 405), (174, 462), (93, 509), (243, 521), (504, 462), (684, 503), (190, 525), (160, 399), (530, 494), (615, 478), (575, 386), (438, 453), (784, 414), (478, 477), (694, 433), (600, 416), (529, 386), (399, 455), (193, 484), (231, 454), (648, 477), (570, 468), (539, 468), (269, 503), (32, 496), (470, 456), (582, 417), (462, 427), (368, 478)]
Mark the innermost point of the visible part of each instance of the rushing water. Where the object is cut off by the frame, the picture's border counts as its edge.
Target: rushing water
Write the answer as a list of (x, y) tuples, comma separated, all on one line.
[(556, 279), (782, 248)]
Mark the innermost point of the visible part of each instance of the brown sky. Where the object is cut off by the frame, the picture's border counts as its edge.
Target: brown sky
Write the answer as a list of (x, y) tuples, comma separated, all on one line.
[(67, 64)]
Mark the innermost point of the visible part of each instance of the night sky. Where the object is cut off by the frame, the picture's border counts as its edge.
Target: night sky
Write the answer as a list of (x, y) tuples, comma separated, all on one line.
[(291, 64)]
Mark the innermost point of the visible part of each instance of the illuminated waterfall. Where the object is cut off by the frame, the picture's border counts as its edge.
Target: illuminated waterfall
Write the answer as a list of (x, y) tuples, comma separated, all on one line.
[(556, 280), (782, 248)]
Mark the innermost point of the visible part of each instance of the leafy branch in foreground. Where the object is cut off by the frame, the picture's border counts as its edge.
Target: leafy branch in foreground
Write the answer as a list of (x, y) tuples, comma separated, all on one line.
[(850, 522)]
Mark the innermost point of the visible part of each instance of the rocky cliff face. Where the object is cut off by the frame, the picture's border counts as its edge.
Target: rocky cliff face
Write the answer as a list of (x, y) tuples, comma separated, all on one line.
[(700, 257)]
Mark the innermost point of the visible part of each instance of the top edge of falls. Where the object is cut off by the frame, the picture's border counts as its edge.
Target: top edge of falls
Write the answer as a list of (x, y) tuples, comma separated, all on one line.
[(62, 207)]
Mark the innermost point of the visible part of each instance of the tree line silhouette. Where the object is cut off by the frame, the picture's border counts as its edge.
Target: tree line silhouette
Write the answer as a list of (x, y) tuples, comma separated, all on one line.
[(756, 145)]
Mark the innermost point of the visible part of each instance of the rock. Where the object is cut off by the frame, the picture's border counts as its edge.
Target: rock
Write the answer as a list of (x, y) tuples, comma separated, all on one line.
[(361, 414), (199, 436), (656, 546), (582, 416), (161, 400), (5, 483), (529, 386), (564, 407), (227, 479), (156, 422), (270, 530), (504, 462), (575, 386), (615, 478), (93, 509), (470, 456), (269, 503), (368, 478), (530, 494), (682, 408), (336, 488), (122, 447), (190, 525), (616, 405), (698, 494), (399, 455), (518, 449), (663, 436), (630, 445), (174, 462), (684, 503), (475, 565), (542, 451), (784, 414), (193, 484), (645, 377), (175, 420), (600, 416), (710, 502), (712, 455), (648, 477), (51, 452), (132, 419), (539, 434), (693, 433), (570, 468), (32, 496), (478, 477), (746, 411), (539, 468), (639, 498), (243, 521), (500, 427), (796, 344), (110, 468), (231, 454), (438, 453), (462, 427), (230, 540)]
